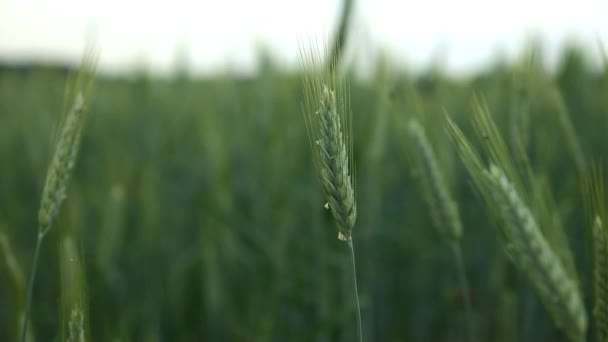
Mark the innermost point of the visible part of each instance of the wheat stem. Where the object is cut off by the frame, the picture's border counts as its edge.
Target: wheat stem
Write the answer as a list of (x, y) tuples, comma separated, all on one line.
[(332, 160), (600, 277), (352, 255), (61, 167), (30, 287), (341, 36), (464, 284)]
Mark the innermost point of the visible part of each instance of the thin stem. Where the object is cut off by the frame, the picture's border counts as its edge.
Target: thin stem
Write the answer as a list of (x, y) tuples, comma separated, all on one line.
[(30, 289), (352, 254), (464, 283), (341, 35)]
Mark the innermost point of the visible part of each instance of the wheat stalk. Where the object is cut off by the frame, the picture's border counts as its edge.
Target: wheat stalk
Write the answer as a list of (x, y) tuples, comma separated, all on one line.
[(571, 141), (328, 125), (62, 164), (341, 35), (444, 210), (56, 183), (335, 177), (525, 243)]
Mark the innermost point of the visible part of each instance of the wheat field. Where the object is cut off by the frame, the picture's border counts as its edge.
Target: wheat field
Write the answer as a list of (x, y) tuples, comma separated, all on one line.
[(194, 210)]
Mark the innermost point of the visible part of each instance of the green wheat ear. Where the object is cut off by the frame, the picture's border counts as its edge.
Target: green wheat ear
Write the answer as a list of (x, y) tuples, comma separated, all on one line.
[(533, 255), (508, 195), (62, 164), (334, 172), (68, 143), (328, 123)]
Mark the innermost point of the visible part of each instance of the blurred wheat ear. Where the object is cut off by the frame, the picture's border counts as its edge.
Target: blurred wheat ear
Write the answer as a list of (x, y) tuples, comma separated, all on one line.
[(533, 254), (62, 164), (443, 208), (538, 256), (595, 210), (78, 91)]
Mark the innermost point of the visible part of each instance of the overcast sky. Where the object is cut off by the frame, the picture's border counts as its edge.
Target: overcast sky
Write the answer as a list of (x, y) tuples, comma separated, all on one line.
[(222, 34)]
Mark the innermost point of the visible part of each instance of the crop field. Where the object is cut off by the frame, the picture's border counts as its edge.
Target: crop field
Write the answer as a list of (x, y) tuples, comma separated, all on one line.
[(194, 210)]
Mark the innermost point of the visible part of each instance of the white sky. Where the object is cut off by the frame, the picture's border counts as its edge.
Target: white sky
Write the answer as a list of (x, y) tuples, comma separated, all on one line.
[(220, 34)]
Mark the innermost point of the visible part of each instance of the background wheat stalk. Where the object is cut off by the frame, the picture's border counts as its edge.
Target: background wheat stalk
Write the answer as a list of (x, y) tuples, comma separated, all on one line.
[(444, 211), (62, 164)]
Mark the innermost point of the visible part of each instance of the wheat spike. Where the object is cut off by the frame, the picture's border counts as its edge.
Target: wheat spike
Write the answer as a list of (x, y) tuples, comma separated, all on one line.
[(334, 166), (444, 210), (533, 255), (329, 129), (61, 166)]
